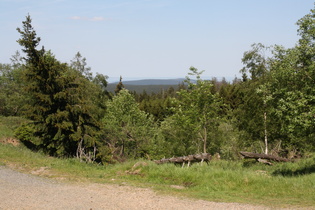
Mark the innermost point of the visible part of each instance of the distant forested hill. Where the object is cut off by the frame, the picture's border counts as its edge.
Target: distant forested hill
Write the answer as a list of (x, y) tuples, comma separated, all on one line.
[(149, 85), (155, 82)]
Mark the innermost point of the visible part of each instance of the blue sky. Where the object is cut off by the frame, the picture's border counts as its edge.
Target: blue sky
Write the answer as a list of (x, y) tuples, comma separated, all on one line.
[(154, 38)]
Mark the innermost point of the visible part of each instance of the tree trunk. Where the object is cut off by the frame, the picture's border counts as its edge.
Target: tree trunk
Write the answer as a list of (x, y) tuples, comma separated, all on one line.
[(266, 137), (205, 140), (122, 151), (263, 156), (186, 159)]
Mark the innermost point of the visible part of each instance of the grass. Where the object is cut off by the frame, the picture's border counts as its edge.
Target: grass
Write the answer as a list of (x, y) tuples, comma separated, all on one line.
[(223, 181), (281, 185)]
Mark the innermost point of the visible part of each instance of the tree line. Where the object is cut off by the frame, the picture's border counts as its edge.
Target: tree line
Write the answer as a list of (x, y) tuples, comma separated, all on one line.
[(270, 110)]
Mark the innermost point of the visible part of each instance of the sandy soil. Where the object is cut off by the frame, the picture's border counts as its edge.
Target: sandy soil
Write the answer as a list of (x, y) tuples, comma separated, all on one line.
[(25, 191)]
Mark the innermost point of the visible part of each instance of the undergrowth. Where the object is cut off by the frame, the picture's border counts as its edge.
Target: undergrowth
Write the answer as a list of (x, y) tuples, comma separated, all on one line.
[(281, 185)]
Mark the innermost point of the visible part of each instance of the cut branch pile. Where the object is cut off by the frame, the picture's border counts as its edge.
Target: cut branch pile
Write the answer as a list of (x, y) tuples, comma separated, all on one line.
[(263, 157), (186, 159)]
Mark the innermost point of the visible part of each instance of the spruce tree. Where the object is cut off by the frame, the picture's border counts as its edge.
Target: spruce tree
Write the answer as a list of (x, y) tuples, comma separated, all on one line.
[(119, 86), (60, 109)]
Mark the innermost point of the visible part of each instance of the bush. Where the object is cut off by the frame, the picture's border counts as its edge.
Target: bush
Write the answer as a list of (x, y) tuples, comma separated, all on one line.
[(25, 133)]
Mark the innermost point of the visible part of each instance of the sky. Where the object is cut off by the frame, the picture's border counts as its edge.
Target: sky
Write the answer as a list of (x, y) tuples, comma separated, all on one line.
[(153, 38)]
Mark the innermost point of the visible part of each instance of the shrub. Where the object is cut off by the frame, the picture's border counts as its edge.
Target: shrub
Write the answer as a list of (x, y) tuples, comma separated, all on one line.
[(25, 133)]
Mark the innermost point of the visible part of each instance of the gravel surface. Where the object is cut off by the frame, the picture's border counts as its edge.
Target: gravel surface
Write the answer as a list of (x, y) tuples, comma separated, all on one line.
[(24, 191)]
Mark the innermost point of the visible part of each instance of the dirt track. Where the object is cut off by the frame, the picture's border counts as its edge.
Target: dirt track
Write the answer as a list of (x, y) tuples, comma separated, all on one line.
[(23, 191)]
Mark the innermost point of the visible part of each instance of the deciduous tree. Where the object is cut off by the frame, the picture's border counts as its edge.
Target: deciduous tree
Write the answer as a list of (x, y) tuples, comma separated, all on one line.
[(196, 118), (129, 131)]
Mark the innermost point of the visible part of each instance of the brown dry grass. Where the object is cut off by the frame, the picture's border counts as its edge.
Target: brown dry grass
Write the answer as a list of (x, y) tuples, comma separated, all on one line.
[(9, 140)]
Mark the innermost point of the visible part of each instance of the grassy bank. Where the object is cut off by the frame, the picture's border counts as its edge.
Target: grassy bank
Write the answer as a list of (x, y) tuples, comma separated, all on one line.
[(281, 185)]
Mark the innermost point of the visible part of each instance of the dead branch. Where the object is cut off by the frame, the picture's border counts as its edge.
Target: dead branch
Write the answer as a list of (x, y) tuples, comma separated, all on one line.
[(263, 156), (186, 159)]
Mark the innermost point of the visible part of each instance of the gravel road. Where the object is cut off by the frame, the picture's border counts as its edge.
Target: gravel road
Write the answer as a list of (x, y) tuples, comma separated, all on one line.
[(24, 191)]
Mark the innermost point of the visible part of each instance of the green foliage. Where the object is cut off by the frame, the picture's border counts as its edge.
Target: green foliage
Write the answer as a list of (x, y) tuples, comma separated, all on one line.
[(79, 64), (293, 99), (160, 108), (25, 133), (249, 114), (12, 96), (291, 88), (30, 41), (195, 119), (129, 131), (255, 61), (281, 87)]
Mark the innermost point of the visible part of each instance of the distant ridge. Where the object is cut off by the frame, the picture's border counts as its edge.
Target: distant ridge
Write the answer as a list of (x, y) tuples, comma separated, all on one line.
[(149, 85), (153, 82)]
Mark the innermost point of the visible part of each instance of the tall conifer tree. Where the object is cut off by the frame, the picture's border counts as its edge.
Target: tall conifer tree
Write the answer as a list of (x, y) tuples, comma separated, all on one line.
[(60, 108)]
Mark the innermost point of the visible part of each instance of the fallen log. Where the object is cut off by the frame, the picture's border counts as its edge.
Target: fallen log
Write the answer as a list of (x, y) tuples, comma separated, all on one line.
[(264, 161), (186, 159), (258, 156)]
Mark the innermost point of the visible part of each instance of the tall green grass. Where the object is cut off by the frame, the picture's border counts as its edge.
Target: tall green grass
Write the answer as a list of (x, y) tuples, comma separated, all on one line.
[(232, 182), (281, 185)]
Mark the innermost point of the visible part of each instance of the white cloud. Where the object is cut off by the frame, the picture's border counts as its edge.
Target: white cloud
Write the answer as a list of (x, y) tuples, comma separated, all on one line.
[(76, 18), (97, 19)]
